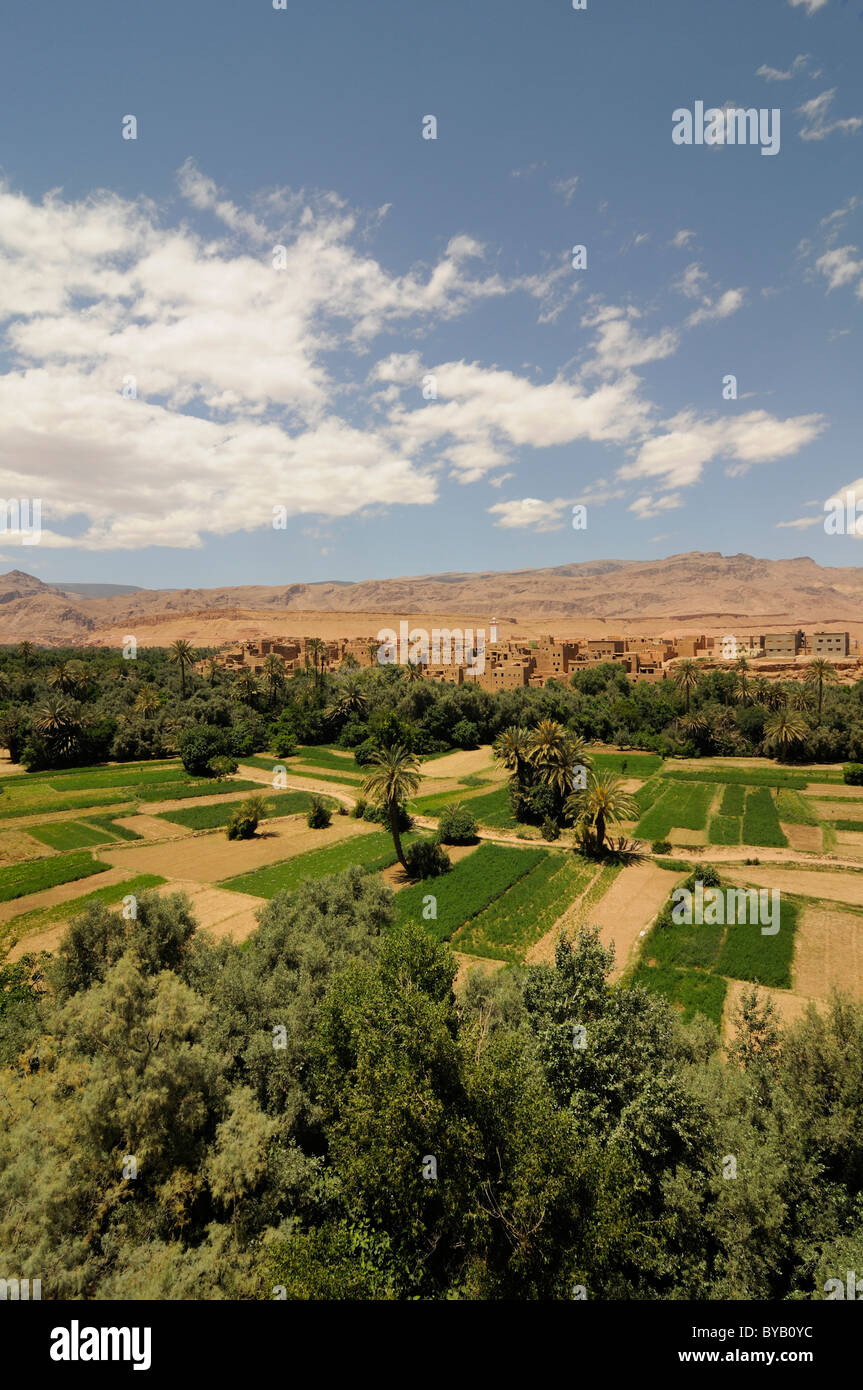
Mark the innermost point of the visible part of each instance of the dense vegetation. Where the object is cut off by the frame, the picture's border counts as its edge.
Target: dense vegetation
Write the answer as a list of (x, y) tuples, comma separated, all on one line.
[(315, 1114), (65, 707)]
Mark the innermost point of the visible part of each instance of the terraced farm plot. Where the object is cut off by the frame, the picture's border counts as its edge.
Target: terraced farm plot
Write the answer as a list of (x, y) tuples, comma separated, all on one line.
[(760, 820), (683, 806), (28, 931), (467, 889), (794, 809), (724, 830), (691, 991), (626, 764), (748, 954), (68, 834), (143, 775), (525, 912), (748, 777), (372, 852), (492, 809), (179, 791), (829, 952), (17, 880), (219, 813)]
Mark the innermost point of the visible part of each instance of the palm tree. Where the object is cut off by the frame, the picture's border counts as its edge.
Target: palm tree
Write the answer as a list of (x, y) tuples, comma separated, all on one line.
[(759, 689), (213, 669), (318, 651), (148, 702), (741, 666), (602, 802), (775, 696), (274, 675), (817, 673), (182, 655), (784, 728), (686, 678), (25, 651), (58, 678), (245, 686), (58, 720), (512, 748), (554, 753), (352, 699), (394, 778)]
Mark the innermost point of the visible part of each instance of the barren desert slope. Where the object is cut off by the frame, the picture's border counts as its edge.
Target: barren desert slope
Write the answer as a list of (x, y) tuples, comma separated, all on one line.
[(689, 592)]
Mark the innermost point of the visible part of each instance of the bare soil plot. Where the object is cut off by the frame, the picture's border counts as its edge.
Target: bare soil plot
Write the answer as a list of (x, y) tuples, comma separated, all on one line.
[(219, 911), (679, 835), (837, 810), (829, 953), (629, 907), (465, 763), (807, 837), (16, 844), (211, 857), (337, 790), (789, 1004), (850, 842), (841, 887), (151, 828)]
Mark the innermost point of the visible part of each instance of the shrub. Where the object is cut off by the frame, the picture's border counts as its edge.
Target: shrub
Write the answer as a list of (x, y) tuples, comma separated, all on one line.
[(319, 816), (661, 846), (550, 829), (465, 734), (199, 745), (360, 809), (222, 766), (852, 774), (456, 825), (244, 821), (426, 859), (283, 744)]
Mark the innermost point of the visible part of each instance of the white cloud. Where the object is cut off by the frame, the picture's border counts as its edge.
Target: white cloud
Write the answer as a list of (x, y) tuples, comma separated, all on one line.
[(778, 75), (810, 5), (801, 524), (815, 123), (647, 506), (679, 455), (236, 408), (531, 514), (681, 238), (619, 347), (840, 266)]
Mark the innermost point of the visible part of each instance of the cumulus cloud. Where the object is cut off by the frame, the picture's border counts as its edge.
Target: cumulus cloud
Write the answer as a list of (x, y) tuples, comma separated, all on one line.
[(811, 6), (679, 454), (681, 238), (618, 346), (531, 514), (167, 383), (648, 506)]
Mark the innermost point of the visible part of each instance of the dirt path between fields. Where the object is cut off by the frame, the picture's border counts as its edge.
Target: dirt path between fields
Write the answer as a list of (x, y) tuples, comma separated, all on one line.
[(337, 790)]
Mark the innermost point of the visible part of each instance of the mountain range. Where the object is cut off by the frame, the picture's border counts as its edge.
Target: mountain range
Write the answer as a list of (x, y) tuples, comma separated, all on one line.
[(694, 591)]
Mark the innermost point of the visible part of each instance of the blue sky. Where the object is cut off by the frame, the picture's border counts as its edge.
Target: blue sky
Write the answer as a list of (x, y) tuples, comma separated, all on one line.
[(151, 261)]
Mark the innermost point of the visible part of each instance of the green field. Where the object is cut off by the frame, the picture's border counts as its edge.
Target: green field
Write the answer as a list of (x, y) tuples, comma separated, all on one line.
[(492, 809), (626, 764), (525, 912), (17, 880), (470, 886), (692, 991), (143, 775), (747, 954), (685, 807), (211, 817), (724, 830), (68, 834), (847, 824), (371, 852), (760, 821), (794, 809)]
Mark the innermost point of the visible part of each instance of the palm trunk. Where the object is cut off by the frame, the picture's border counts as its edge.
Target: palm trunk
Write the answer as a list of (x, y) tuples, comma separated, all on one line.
[(397, 839), (599, 825)]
